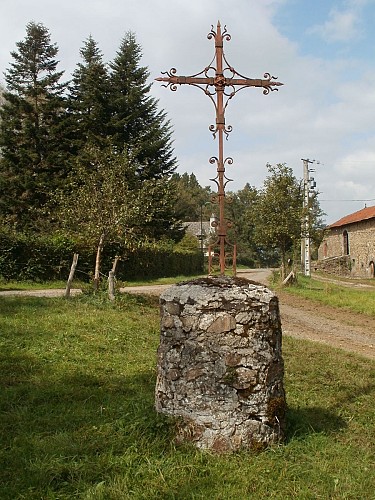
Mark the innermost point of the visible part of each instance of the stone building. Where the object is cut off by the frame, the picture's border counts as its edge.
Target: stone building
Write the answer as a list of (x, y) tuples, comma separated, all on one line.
[(348, 247), (204, 231)]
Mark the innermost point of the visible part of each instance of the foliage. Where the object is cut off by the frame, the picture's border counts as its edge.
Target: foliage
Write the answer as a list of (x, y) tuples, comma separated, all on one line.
[(136, 123), (316, 223), (77, 414), (107, 197), (49, 257), (242, 212), (34, 152), (152, 260), (88, 100), (43, 131), (192, 200), (36, 257), (279, 211), (2, 100), (110, 203)]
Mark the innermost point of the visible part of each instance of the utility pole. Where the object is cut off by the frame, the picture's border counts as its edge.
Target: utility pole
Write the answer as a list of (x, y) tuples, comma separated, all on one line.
[(308, 184)]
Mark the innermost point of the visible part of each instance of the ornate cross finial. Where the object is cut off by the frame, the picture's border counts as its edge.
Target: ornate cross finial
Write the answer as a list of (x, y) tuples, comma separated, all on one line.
[(221, 82)]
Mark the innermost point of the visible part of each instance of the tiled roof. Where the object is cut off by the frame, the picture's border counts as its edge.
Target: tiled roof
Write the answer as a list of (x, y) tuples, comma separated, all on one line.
[(364, 214)]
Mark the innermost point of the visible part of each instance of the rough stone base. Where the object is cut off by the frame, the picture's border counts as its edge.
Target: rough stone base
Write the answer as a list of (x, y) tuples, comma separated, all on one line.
[(220, 367)]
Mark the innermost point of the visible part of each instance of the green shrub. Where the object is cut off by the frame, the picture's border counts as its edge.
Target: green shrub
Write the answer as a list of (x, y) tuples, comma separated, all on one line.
[(48, 257)]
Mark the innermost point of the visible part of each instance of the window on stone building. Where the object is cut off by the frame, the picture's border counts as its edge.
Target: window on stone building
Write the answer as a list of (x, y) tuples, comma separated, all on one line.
[(346, 242)]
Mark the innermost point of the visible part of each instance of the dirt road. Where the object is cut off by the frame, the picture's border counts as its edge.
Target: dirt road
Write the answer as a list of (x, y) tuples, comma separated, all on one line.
[(304, 319)]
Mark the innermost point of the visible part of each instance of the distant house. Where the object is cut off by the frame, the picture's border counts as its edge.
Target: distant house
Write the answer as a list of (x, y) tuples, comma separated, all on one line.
[(204, 230), (348, 247)]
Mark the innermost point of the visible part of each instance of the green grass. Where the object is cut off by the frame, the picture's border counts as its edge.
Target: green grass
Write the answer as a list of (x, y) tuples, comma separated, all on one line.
[(160, 281), (33, 285), (77, 418), (359, 300)]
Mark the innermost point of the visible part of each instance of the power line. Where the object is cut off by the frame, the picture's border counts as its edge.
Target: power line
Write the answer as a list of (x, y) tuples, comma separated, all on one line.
[(370, 199)]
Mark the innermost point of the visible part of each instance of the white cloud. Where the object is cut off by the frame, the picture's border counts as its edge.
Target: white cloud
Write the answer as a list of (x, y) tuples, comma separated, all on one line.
[(324, 110), (343, 24)]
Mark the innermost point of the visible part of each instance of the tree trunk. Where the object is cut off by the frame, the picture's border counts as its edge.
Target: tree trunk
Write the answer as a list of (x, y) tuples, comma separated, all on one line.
[(114, 265), (97, 262), (71, 275), (283, 264)]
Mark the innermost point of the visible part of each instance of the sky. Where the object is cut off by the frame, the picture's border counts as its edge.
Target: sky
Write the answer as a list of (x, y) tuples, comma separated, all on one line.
[(322, 50)]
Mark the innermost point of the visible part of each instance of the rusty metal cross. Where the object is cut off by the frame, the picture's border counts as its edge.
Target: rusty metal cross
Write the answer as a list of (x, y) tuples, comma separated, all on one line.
[(224, 83)]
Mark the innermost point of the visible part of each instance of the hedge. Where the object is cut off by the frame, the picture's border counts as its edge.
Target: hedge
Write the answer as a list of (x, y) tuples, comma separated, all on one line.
[(44, 258)]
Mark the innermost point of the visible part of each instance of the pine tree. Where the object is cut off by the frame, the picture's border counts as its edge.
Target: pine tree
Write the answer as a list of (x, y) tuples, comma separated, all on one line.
[(88, 99), (32, 144), (136, 122)]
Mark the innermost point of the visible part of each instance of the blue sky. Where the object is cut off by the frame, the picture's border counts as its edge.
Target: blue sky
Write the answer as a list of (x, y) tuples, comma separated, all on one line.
[(323, 51)]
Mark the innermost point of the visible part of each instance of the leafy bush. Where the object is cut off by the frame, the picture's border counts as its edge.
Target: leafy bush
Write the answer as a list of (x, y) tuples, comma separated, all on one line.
[(44, 258)]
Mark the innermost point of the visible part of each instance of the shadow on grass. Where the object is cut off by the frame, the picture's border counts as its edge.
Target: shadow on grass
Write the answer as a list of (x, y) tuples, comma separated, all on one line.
[(306, 421), (310, 420), (11, 305)]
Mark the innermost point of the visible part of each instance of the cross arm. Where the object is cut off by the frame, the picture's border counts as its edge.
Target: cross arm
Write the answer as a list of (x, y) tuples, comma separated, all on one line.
[(220, 81), (189, 80), (252, 82)]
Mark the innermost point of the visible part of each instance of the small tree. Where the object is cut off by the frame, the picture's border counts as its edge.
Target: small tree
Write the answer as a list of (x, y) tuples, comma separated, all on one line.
[(109, 202), (279, 209)]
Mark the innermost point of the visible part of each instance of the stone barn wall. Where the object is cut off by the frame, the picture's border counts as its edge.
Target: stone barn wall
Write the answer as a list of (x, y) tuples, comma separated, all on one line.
[(361, 236)]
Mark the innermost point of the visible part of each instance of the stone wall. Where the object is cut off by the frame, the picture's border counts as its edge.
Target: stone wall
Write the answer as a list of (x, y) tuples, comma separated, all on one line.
[(339, 266), (361, 239), (220, 367)]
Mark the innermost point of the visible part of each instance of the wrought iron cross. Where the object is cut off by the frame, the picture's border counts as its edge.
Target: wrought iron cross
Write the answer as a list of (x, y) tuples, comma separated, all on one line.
[(224, 83)]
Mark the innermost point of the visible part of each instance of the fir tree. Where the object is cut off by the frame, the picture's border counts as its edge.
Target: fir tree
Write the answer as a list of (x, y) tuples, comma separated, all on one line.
[(136, 122), (33, 161), (88, 99)]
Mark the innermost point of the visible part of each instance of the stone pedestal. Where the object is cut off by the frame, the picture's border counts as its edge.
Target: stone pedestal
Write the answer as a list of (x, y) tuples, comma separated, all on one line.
[(220, 367)]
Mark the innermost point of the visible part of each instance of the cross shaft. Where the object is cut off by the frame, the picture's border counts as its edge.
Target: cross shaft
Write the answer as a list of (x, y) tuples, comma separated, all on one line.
[(217, 86)]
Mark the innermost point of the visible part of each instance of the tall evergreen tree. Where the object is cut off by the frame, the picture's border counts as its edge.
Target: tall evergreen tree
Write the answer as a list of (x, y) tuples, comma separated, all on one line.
[(136, 122), (2, 90), (33, 161), (88, 99)]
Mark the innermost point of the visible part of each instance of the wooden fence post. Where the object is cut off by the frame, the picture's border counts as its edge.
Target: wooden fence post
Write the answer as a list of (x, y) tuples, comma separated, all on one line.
[(111, 285), (71, 275)]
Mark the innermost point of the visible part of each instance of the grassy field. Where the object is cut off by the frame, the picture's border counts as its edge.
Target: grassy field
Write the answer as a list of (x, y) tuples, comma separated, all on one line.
[(45, 285), (77, 419), (359, 300)]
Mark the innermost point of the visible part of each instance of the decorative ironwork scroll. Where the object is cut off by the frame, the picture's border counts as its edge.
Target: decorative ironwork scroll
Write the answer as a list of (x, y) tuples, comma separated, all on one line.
[(220, 82)]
